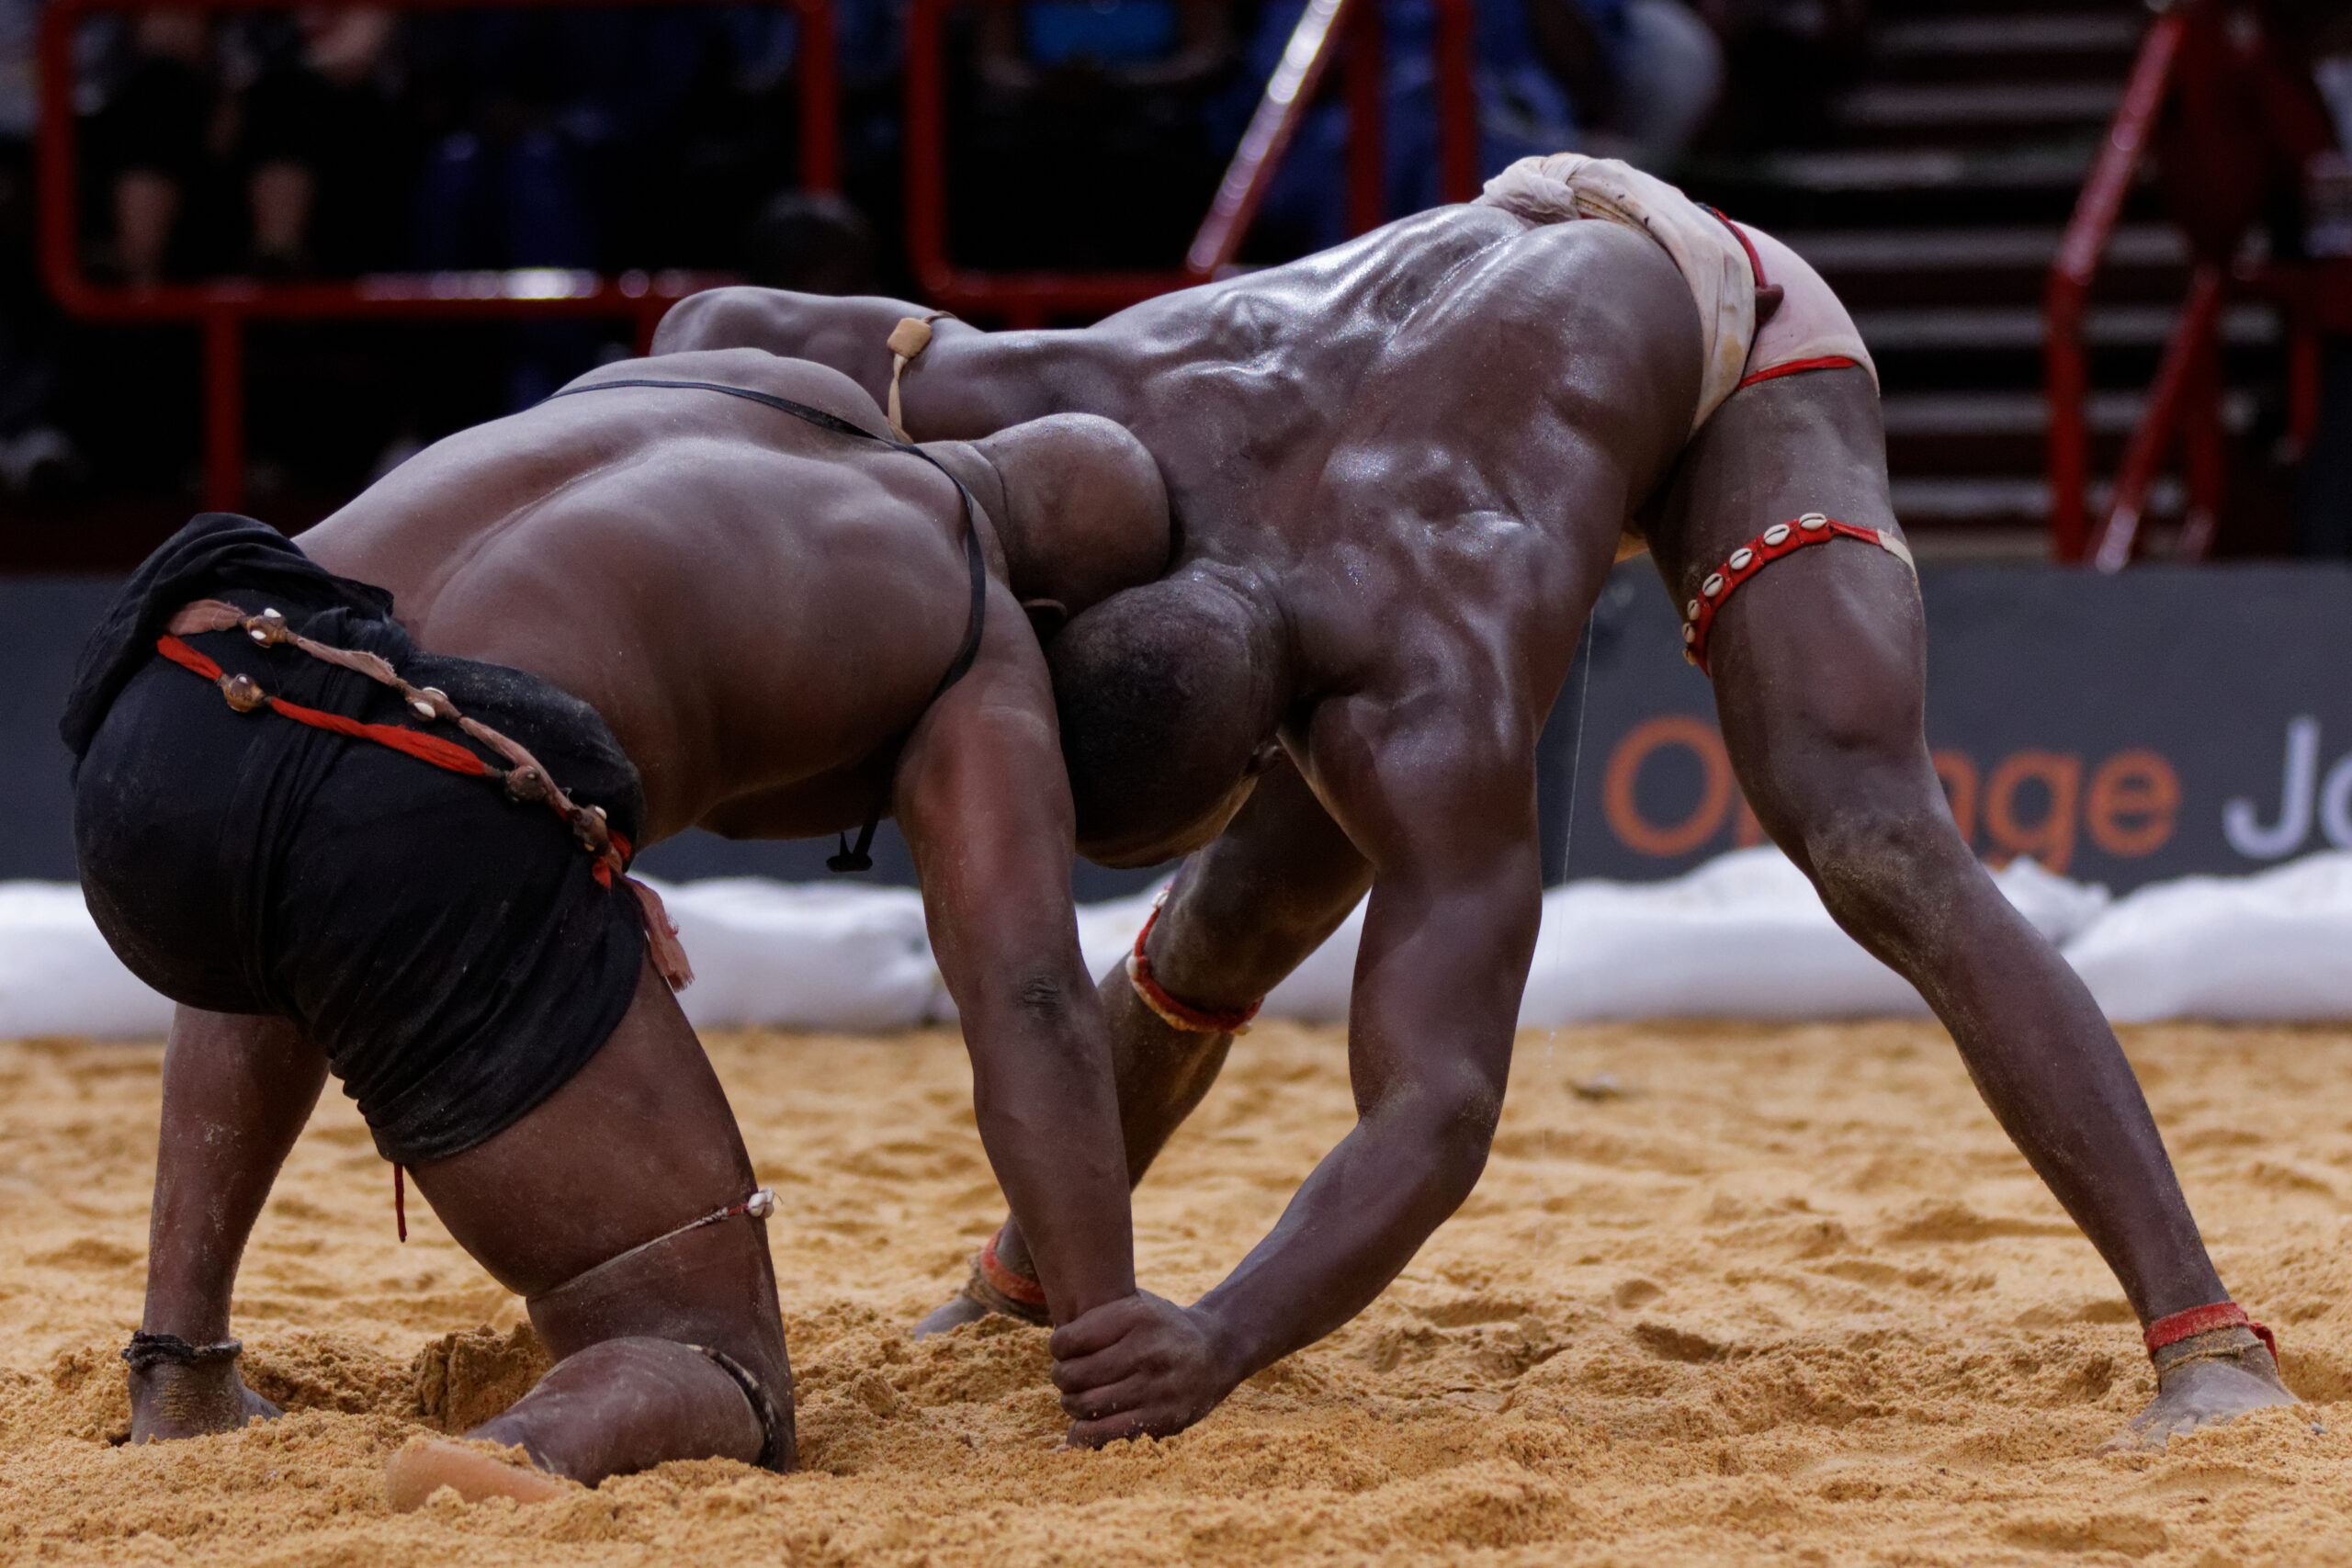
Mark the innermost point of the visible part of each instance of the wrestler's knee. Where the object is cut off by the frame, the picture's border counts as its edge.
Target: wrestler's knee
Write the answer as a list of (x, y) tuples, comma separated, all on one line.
[(1884, 865)]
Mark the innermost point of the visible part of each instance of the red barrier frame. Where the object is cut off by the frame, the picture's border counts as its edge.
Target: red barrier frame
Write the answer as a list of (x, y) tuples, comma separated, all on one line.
[(2190, 375), (224, 306), (2178, 61), (1030, 299), (2096, 212)]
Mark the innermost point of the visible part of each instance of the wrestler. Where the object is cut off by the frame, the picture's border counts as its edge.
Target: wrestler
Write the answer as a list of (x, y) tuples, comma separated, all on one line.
[(1400, 470), (365, 804)]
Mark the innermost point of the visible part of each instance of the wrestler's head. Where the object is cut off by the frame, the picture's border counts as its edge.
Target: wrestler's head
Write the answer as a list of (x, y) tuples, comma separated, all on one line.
[(1169, 695), (1085, 513)]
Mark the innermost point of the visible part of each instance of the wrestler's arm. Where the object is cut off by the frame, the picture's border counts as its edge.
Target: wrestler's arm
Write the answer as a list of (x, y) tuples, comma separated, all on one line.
[(985, 806), (1440, 801), (850, 334), (944, 401)]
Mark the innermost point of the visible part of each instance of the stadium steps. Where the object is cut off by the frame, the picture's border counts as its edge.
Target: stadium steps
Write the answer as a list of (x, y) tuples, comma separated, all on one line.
[(1934, 200)]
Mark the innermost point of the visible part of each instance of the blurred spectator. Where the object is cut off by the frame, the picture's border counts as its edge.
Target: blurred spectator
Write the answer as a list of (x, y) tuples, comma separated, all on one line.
[(536, 119), (1546, 72), (318, 141), (160, 135), (35, 454), (1671, 81), (1094, 107), (812, 242)]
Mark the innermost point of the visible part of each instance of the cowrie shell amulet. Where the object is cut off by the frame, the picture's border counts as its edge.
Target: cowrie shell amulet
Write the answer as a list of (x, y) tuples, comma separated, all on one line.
[(1690, 634), (1690, 611), (1812, 519), (1777, 534), (1740, 557), (1714, 586)]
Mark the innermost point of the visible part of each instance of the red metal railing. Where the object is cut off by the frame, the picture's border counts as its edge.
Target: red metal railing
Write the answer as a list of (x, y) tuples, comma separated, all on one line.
[(1029, 299), (2244, 112), (2095, 212), (222, 306), (2189, 374)]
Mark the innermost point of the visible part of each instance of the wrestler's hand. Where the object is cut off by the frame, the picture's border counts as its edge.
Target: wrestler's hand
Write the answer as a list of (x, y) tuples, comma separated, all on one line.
[(1140, 1366)]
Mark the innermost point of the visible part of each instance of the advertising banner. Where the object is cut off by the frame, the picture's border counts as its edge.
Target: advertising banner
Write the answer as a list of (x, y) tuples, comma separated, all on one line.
[(2118, 729)]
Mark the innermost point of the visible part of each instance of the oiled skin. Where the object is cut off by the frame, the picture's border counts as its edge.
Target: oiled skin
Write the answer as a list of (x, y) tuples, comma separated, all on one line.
[(762, 612), (1413, 456)]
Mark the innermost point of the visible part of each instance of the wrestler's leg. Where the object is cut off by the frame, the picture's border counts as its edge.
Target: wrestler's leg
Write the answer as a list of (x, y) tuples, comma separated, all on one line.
[(1242, 914), (639, 1142), (237, 1089), (1819, 671)]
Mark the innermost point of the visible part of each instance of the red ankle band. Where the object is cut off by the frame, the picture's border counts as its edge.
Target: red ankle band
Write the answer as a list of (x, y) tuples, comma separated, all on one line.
[(1176, 1014), (2187, 1324), (1018, 1286)]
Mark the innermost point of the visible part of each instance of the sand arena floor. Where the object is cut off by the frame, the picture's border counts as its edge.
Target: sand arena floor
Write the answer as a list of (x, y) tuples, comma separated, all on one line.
[(1789, 1297)]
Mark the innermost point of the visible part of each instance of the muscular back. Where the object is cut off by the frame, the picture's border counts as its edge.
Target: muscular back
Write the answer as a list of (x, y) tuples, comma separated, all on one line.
[(757, 606), (1408, 440)]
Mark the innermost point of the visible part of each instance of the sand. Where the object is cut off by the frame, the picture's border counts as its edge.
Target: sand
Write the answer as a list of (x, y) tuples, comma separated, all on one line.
[(1725, 1295)]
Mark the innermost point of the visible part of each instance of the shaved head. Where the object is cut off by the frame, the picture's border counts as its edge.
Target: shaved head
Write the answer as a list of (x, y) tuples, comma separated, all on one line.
[(1085, 512), (1169, 696)]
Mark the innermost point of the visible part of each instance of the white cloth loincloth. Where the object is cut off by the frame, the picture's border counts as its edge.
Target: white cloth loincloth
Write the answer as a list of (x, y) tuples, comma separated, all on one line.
[(1809, 324)]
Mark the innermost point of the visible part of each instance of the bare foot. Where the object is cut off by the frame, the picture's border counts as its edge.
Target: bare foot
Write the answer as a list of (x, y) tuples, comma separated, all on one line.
[(475, 1470), (168, 1401), (961, 1309), (2203, 1393)]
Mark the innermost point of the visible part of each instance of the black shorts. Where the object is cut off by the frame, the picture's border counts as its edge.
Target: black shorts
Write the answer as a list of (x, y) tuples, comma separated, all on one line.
[(451, 950)]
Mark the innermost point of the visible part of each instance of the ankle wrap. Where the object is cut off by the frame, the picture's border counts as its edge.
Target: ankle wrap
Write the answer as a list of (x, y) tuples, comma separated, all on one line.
[(2205, 1333), (147, 1350), (1173, 1014), (1000, 1290), (775, 1427)]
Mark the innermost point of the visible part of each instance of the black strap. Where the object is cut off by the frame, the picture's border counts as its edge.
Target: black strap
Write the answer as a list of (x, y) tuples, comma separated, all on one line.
[(856, 858), (147, 1350)]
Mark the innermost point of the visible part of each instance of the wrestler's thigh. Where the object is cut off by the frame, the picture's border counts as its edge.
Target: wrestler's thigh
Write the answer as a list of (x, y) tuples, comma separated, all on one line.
[(1252, 906), (1819, 661), (1819, 669), (638, 1141)]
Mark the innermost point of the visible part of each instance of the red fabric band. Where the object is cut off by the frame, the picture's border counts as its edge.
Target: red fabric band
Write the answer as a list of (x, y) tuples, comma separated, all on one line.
[(1780, 539), (1826, 362), (425, 748), (2189, 1324), (1755, 261), (1018, 1286), (1176, 1014)]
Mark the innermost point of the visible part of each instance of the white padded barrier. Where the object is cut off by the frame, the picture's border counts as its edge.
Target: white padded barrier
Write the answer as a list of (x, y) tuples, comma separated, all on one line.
[(2275, 947), (1741, 937)]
